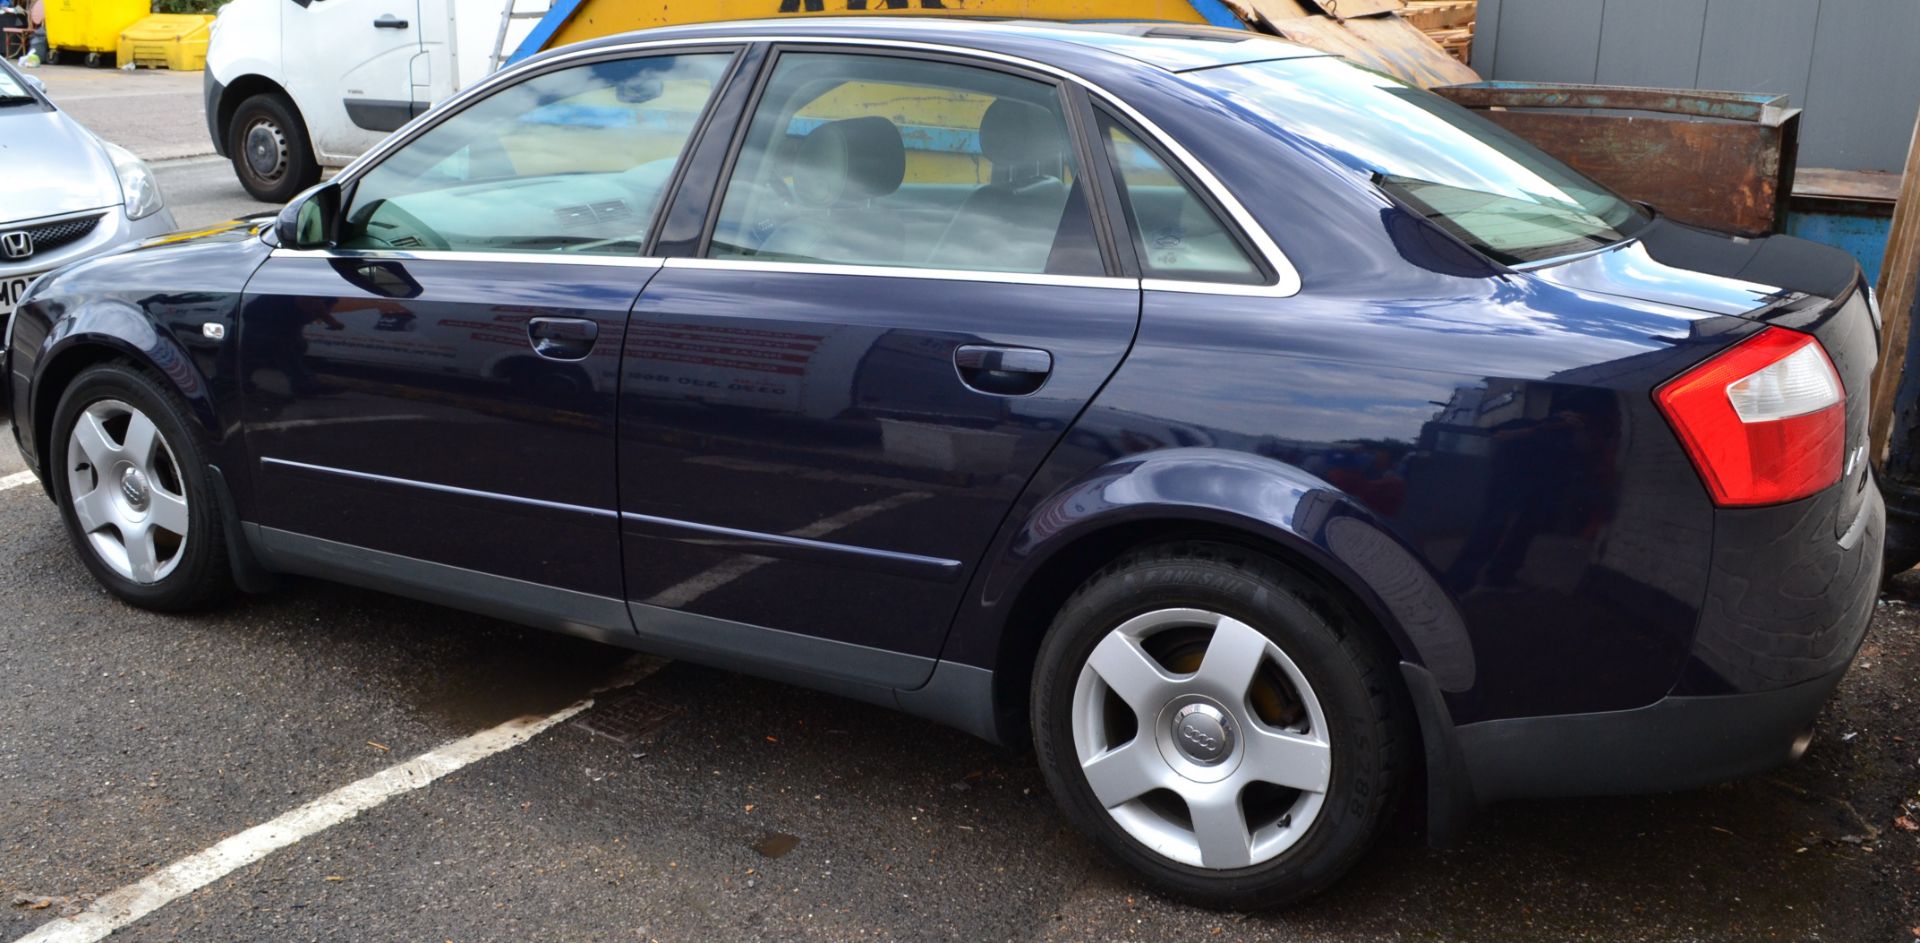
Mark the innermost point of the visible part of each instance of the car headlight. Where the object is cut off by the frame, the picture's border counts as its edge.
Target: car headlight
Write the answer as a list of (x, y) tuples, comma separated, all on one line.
[(137, 183)]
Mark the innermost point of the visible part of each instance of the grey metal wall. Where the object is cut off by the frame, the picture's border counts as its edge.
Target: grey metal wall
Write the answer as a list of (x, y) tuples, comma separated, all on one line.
[(1854, 65)]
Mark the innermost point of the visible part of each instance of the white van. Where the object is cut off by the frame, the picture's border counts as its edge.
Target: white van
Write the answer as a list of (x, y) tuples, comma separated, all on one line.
[(293, 86)]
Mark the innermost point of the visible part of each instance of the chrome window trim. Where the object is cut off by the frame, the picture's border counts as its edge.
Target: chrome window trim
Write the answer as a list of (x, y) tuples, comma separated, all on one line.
[(432, 255), (1286, 279), (892, 271)]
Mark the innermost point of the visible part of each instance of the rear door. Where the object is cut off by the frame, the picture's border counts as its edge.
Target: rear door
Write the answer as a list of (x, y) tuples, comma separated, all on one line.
[(900, 305), (440, 389)]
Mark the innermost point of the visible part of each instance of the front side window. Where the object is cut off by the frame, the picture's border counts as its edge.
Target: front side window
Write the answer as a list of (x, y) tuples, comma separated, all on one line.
[(572, 161), (871, 160), (1487, 187)]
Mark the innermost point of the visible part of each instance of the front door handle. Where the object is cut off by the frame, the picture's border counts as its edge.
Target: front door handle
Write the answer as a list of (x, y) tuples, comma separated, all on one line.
[(389, 21), (562, 338), (1005, 371)]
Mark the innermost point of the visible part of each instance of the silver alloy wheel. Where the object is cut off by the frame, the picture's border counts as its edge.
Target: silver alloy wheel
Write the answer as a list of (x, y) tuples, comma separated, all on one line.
[(1199, 737), (127, 491)]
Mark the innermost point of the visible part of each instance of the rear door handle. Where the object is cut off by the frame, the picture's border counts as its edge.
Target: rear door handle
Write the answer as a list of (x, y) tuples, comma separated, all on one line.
[(1005, 371), (562, 338), (389, 21)]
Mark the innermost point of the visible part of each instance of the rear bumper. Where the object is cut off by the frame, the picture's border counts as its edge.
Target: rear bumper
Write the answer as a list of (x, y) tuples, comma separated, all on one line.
[(1675, 743), (1690, 739)]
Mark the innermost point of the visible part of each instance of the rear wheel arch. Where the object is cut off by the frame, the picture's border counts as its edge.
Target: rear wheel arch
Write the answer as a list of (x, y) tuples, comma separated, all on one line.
[(1072, 564)]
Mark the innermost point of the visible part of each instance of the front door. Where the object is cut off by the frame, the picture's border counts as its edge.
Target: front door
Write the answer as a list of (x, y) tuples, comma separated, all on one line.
[(440, 389), (349, 65), (824, 417)]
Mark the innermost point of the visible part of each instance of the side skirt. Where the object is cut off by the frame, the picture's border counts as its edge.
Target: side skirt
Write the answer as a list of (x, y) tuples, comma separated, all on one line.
[(945, 692)]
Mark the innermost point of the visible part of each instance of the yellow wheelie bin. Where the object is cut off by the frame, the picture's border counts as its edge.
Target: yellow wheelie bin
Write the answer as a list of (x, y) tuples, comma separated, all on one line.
[(91, 26)]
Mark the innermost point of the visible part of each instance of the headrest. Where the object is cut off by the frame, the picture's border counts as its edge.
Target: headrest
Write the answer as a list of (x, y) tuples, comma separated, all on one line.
[(848, 161), (1014, 132)]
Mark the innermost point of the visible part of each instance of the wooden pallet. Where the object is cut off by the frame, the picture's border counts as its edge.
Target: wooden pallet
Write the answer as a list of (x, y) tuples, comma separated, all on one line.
[(1447, 22)]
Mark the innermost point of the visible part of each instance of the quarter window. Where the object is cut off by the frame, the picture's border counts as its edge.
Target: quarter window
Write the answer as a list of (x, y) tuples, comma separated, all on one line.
[(1175, 233), (569, 161), (873, 160)]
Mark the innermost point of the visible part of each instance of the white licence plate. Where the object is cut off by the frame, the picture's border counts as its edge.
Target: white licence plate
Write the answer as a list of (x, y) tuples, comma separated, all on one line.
[(11, 288)]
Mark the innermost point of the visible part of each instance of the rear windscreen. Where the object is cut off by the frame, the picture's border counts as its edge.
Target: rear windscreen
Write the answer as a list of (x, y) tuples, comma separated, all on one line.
[(1497, 193)]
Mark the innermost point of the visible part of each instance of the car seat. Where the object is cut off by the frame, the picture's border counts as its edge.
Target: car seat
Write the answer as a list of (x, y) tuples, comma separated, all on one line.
[(839, 169), (1010, 224)]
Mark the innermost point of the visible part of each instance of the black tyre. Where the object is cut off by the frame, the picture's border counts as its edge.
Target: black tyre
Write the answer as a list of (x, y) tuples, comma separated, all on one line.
[(1210, 721), (268, 145), (129, 471)]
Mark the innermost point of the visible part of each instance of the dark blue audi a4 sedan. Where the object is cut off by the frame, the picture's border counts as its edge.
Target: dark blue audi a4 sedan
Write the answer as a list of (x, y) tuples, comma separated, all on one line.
[(1262, 440)]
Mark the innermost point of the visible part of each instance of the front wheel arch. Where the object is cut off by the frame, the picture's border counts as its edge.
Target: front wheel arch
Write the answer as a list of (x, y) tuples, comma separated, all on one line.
[(79, 350), (239, 90)]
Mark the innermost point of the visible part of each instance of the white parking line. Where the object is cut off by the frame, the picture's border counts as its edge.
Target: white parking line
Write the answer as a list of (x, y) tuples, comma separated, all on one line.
[(128, 904), (17, 479)]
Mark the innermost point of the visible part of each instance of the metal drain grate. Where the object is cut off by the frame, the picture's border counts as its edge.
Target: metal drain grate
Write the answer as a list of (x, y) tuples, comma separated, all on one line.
[(631, 717)]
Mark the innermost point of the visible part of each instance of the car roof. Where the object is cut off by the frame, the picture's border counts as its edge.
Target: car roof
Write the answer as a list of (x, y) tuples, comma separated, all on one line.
[(1173, 47)]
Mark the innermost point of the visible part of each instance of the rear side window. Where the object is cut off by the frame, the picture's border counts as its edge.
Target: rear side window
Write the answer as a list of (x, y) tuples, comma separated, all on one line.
[(569, 161), (876, 160), (1175, 233)]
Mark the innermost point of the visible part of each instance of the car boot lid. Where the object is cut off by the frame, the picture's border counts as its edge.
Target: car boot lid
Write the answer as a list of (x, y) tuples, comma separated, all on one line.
[(1711, 272)]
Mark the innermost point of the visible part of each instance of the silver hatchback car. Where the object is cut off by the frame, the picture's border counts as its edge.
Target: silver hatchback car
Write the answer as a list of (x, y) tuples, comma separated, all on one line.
[(64, 193)]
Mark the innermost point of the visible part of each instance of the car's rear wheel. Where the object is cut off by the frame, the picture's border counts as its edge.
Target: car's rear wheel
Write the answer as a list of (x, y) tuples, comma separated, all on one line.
[(269, 149), (130, 475), (1211, 722)]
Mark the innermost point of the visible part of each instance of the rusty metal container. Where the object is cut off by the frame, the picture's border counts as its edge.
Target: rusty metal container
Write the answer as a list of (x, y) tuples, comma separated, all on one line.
[(1722, 160)]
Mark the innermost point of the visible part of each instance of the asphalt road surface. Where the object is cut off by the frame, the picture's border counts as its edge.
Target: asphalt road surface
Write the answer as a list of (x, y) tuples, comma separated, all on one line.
[(202, 191), (688, 804)]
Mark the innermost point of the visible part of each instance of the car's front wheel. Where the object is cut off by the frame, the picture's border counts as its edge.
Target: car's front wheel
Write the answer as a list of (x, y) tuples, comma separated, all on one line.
[(130, 475), (269, 148), (1214, 724)]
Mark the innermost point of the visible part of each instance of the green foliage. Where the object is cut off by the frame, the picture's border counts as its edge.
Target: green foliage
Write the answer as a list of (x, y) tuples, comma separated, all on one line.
[(187, 6)]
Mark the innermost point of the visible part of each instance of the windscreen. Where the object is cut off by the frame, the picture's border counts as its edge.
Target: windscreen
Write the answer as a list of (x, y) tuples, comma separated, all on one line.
[(11, 89), (1494, 191)]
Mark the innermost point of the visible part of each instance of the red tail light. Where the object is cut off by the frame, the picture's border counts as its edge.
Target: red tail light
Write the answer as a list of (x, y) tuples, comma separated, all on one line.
[(1764, 421)]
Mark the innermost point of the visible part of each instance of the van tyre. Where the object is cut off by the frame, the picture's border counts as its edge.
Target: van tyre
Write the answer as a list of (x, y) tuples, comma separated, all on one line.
[(268, 145), (130, 475), (1218, 725)]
